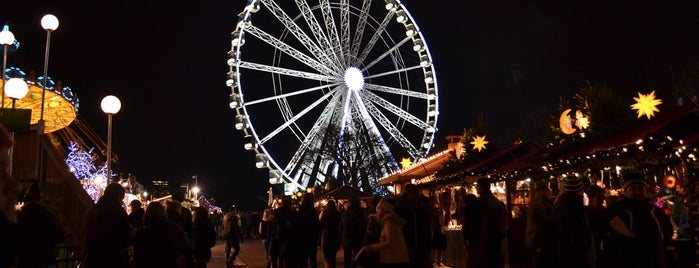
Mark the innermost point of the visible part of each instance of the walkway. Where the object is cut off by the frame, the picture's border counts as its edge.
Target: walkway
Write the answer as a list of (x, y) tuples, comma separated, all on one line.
[(252, 251)]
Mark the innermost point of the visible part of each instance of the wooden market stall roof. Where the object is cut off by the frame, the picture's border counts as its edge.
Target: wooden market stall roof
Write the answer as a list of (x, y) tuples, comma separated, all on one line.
[(512, 157), (345, 192), (419, 170)]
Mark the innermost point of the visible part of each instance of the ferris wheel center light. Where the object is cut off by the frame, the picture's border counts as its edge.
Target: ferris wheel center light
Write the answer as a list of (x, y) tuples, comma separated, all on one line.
[(354, 78)]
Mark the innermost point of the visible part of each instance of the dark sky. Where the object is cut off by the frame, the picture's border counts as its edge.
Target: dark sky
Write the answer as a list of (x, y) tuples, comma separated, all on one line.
[(503, 61)]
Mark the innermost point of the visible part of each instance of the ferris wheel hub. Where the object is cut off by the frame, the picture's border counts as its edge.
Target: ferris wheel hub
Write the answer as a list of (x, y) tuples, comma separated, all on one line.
[(354, 78)]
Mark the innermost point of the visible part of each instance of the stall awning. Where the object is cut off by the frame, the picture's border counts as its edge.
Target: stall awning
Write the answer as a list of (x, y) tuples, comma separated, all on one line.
[(419, 170)]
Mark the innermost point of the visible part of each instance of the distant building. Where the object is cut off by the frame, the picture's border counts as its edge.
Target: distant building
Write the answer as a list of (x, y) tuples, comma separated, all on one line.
[(161, 188)]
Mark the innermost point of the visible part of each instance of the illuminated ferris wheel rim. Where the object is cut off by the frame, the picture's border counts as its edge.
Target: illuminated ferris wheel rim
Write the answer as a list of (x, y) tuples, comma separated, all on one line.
[(340, 70)]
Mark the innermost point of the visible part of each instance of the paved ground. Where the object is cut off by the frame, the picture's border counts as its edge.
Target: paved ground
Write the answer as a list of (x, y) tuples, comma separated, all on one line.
[(252, 251)]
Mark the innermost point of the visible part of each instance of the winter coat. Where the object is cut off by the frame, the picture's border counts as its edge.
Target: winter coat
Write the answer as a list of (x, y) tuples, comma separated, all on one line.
[(541, 223), (107, 233), (391, 246), (159, 244), (575, 241)]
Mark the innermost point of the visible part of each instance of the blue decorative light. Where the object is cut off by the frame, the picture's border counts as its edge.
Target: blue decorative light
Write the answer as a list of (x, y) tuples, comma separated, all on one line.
[(81, 164)]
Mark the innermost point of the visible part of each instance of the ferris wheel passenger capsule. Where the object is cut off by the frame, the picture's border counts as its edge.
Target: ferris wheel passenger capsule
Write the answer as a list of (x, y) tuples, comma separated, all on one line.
[(237, 38), (401, 16)]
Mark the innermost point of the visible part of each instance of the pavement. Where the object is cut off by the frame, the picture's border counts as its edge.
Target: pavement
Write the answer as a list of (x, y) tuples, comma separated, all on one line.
[(252, 251)]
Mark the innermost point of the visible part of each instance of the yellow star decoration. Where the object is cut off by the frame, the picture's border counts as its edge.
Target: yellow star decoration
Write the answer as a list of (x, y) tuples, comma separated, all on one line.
[(405, 162), (479, 143), (581, 121), (646, 104)]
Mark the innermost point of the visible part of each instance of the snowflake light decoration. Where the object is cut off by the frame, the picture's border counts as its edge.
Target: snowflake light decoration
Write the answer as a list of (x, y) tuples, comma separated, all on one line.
[(581, 121), (479, 143), (646, 104), (81, 164)]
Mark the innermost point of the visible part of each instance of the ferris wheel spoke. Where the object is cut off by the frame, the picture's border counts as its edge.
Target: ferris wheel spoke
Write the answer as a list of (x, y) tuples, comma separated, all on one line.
[(399, 91), (345, 28), (314, 25), (285, 71), (300, 35), (311, 138), (285, 95), (394, 71), (293, 52), (394, 109), (392, 130), (364, 108), (296, 117), (361, 24), (375, 38), (386, 54), (332, 31)]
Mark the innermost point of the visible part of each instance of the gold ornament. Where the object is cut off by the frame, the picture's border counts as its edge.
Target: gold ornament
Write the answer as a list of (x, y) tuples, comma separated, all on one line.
[(646, 104), (479, 143)]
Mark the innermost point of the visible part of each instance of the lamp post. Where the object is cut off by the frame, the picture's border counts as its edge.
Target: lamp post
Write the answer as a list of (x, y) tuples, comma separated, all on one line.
[(110, 105), (6, 39), (16, 89), (49, 23)]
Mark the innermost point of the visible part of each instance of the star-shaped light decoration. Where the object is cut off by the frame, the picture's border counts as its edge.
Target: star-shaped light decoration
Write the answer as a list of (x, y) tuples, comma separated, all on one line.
[(479, 143), (646, 104), (405, 162), (581, 121)]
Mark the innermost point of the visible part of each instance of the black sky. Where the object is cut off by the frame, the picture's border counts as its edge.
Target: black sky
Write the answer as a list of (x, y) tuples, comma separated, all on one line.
[(503, 61)]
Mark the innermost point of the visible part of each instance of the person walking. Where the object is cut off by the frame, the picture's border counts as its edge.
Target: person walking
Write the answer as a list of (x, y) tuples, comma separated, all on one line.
[(265, 231), (540, 234), (330, 234), (308, 232), (39, 231), (160, 243), (106, 231), (392, 248), (182, 217), (204, 237), (493, 226), (416, 209), (136, 215), (231, 234), (353, 228), (573, 231)]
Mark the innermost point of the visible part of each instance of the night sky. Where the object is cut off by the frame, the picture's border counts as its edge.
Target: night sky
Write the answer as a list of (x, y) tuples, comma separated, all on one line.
[(503, 61)]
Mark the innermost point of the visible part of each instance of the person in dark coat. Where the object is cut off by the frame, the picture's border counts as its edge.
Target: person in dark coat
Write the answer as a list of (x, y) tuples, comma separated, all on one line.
[(417, 210), (231, 234), (106, 231), (308, 232), (39, 231), (470, 216), (204, 237), (281, 231), (182, 217), (353, 226), (330, 234), (574, 236), (494, 225), (160, 243), (136, 216), (638, 228), (540, 234)]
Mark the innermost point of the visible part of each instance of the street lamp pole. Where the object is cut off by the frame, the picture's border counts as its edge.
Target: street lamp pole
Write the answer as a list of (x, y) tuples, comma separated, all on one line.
[(16, 89), (6, 39), (49, 23), (110, 105)]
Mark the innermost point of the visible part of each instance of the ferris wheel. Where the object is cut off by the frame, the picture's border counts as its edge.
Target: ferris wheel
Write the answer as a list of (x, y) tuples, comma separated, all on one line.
[(326, 86)]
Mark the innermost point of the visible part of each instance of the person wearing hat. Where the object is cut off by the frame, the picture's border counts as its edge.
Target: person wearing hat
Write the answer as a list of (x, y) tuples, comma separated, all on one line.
[(392, 247), (39, 231), (540, 237), (574, 236), (638, 229)]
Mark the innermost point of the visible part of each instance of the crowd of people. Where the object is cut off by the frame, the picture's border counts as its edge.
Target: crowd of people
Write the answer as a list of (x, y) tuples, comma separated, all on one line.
[(406, 230), (400, 231), (629, 232)]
